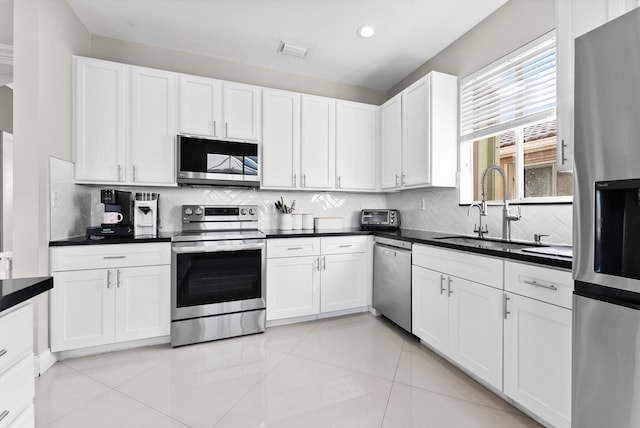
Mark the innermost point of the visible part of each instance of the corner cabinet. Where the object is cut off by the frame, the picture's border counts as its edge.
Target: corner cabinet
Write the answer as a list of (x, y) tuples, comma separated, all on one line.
[(427, 113), (109, 294), (312, 276), (124, 124)]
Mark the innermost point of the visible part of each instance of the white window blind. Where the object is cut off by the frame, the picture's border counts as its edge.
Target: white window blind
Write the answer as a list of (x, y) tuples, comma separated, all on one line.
[(517, 89)]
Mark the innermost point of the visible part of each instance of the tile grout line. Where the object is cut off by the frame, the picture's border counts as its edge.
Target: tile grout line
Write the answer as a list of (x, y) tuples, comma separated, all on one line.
[(386, 407)]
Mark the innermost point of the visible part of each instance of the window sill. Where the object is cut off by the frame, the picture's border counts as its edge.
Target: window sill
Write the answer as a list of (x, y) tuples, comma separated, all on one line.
[(557, 200)]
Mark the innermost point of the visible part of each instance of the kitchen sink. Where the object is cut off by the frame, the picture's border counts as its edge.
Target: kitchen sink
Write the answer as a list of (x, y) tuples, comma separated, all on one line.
[(497, 244)]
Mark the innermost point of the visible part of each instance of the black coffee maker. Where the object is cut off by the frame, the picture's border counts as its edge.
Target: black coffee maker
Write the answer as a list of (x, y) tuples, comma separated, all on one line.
[(118, 209)]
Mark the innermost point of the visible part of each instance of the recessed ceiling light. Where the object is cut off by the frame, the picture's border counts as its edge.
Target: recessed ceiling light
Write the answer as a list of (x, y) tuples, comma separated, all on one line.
[(366, 31)]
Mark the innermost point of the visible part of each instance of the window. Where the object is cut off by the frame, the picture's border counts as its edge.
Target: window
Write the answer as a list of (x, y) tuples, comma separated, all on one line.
[(508, 119)]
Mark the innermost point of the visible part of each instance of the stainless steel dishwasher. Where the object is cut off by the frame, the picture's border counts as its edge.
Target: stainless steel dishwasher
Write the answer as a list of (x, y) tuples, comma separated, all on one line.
[(392, 280)]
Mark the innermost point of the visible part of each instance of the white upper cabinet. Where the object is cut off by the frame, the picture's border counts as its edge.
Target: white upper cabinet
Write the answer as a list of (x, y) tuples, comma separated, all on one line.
[(391, 148), (356, 145), (200, 106), (241, 111), (99, 125), (153, 131), (218, 109), (420, 126), (318, 142), (280, 139), (124, 124)]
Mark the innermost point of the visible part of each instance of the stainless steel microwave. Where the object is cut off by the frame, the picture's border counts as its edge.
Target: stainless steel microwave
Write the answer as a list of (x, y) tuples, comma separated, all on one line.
[(216, 162)]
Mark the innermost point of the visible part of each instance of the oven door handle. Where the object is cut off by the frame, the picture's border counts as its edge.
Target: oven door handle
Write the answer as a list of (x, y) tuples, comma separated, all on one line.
[(215, 248)]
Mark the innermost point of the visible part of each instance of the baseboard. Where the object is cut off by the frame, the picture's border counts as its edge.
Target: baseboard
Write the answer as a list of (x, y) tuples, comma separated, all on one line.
[(43, 362), (84, 352), (315, 317)]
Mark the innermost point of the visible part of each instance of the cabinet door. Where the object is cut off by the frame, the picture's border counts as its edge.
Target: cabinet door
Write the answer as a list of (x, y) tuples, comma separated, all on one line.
[(416, 144), (391, 144), (430, 307), (293, 287), (537, 358), (343, 282), (317, 142), (200, 106), (142, 302), (241, 111), (153, 131), (475, 329), (280, 139), (99, 120), (356, 145), (82, 309), (443, 129)]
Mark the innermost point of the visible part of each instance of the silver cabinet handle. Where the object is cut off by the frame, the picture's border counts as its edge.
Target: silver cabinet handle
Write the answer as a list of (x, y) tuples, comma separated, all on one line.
[(346, 246), (402, 177), (316, 264), (294, 248), (215, 134), (109, 279), (324, 263), (4, 414), (338, 183), (506, 300), (118, 278), (114, 257), (226, 129), (449, 290), (135, 173), (539, 284), (119, 172), (294, 180), (441, 284), (2, 352), (397, 180), (304, 180)]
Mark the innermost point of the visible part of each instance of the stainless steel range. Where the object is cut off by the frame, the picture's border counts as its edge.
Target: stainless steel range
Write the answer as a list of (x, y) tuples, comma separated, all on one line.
[(218, 274)]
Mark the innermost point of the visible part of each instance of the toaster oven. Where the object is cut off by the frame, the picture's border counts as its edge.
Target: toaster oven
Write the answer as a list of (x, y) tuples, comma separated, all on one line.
[(380, 219)]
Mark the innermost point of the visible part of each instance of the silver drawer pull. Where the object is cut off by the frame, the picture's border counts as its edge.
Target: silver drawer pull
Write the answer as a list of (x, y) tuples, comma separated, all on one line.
[(2, 352), (294, 248), (345, 246), (4, 414), (537, 284), (114, 257)]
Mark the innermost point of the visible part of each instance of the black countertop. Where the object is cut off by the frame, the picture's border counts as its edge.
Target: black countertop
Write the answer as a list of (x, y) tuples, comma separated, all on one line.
[(18, 290), (434, 238), (412, 235), (83, 240)]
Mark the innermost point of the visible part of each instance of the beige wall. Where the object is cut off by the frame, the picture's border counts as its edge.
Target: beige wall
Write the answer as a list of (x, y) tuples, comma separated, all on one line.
[(46, 34), (513, 25), (6, 109), (200, 65)]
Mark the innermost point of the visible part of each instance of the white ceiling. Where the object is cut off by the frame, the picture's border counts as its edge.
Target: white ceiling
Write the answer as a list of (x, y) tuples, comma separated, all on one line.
[(408, 32)]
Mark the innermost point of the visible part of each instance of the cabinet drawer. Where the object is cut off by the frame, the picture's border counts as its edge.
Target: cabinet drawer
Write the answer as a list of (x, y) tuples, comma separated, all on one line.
[(482, 269), (20, 381), (25, 420), (292, 247), (344, 245), (16, 336), (81, 257), (548, 285)]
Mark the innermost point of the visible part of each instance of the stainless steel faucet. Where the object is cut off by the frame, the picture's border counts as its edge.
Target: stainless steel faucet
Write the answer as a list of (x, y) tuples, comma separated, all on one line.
[(507, 217)]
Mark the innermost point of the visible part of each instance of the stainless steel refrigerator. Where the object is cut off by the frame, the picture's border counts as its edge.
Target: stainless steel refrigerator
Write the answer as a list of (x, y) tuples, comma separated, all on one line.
[(606, 336)]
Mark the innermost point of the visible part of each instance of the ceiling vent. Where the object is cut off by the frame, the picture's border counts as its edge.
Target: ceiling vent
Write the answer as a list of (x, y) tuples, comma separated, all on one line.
[(289, 49)]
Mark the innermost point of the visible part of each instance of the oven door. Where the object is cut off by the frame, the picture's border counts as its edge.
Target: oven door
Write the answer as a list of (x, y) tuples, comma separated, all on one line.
[(217, 277)]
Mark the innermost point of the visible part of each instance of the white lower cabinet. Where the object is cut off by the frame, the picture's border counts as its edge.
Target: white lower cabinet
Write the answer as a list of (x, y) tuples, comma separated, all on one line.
[(537, 341), (117, 303), (17, 387), (309, 276), (461, 319)]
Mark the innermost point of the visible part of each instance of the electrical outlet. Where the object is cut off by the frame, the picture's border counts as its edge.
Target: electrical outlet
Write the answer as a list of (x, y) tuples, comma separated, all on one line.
[(55, 199), (422, 204)]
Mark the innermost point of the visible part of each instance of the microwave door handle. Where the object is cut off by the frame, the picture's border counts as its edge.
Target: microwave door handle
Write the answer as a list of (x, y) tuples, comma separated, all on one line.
[(215, 248)]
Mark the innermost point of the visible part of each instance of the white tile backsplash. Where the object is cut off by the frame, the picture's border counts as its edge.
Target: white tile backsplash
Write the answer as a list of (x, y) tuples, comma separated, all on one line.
[(321, 204), (70, 204), (443, 213)]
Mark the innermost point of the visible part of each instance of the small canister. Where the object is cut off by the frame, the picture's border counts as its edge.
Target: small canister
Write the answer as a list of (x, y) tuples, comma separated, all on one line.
[(307, 221), (297, 221)]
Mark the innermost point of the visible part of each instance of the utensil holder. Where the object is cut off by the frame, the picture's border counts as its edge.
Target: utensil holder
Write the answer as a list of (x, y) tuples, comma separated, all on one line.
[(285, 221)]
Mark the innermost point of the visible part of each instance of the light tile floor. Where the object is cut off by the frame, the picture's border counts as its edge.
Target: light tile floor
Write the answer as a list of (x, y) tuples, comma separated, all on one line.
[(354, 371)]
